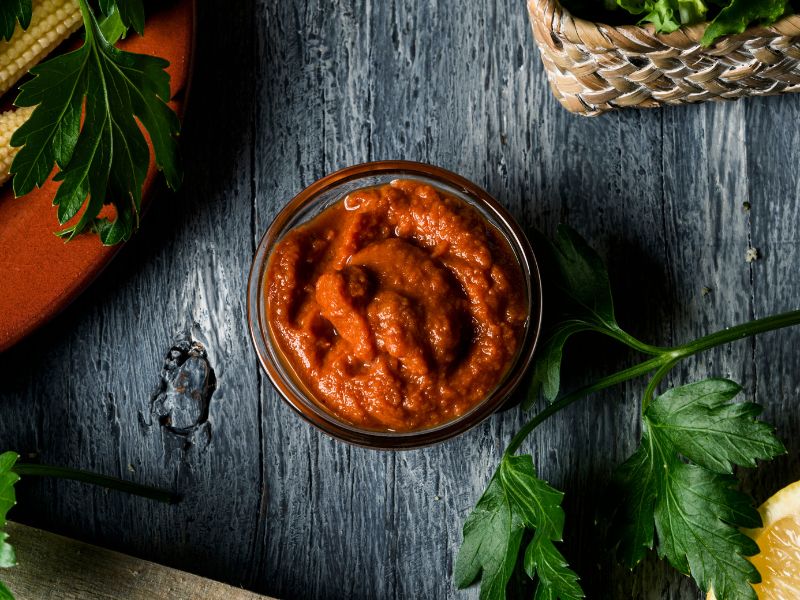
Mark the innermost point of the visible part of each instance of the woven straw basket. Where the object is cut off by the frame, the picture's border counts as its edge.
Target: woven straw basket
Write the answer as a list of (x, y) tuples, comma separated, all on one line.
[(594, 68)]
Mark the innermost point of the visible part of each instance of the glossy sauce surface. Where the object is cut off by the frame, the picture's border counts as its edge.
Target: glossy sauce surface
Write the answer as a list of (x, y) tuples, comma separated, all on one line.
[(399, 307)]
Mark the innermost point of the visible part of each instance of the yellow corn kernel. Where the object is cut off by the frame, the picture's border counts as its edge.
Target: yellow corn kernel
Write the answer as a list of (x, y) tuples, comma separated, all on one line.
[(52, 22), (10, 121)]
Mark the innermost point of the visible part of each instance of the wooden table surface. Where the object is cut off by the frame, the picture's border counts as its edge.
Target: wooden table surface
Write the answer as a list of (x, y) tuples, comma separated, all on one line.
[(285, 92)]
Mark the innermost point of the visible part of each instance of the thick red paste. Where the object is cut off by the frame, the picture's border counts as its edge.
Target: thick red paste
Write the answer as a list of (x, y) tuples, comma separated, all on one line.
[(399, 308)]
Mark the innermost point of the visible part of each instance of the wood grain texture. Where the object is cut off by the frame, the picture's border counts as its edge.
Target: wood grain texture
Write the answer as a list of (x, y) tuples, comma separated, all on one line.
[(285, 92), (52, 567)]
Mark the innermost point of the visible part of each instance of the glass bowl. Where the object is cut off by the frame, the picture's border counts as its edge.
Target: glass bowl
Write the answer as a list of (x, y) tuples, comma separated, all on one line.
[(319, 196)]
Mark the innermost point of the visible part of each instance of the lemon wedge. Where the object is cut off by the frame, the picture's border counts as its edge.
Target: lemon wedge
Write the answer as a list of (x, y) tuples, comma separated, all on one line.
[(779, 542)]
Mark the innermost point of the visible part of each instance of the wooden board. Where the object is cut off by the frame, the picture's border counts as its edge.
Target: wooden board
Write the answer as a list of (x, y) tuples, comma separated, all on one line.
[(58, 568), (287, 91)]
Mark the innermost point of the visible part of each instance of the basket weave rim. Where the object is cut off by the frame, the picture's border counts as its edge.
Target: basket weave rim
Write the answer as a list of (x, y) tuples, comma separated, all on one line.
[(575, 29)]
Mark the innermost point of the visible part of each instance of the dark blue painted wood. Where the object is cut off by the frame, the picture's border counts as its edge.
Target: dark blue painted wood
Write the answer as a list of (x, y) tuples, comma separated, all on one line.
[(285, 92)]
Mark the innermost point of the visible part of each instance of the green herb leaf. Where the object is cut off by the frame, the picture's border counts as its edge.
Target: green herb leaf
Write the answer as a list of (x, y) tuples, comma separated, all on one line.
[(13, 12), (556, 579), (112, 27), (7, 501), (105, 160), (492, 536), (740, 14), (635, 515), (516, 501), (131, 12), (5, 593), (697, 522), (694, 507), (547, 368), (581, 297), (583, 279), (701, 423)]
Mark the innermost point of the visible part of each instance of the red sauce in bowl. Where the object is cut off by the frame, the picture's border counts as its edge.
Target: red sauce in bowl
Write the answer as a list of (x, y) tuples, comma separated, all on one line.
[(399, 308)]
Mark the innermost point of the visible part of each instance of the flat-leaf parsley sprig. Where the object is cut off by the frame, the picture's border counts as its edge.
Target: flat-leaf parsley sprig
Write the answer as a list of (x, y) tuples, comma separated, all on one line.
[(91, 106), (679, 493)]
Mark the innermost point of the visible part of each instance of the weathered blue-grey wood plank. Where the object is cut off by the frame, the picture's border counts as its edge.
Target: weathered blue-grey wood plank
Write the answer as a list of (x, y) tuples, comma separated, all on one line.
[(773, 191), (286, 92), (79, 393)]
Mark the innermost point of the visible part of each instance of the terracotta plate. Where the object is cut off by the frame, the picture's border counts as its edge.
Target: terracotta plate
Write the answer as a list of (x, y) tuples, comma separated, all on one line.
[(39, 273)]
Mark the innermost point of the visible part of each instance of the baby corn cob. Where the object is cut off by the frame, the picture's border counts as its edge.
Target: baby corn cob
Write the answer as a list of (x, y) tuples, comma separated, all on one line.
[(52, 22), (10, 121)]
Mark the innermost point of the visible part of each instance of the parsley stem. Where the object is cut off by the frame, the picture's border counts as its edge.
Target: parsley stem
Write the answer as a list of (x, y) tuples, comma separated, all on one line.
[(664, 360), (738, 332), (29, 469), (88, 18), (631, 373), (650, 391), (630, 341)]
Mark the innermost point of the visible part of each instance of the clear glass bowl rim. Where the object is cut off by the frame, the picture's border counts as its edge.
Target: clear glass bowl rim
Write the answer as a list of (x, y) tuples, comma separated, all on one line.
[(307, 407)]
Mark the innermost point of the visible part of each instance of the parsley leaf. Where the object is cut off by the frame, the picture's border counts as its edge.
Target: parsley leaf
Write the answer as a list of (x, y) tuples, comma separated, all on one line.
[(516, 502), (492, 535), (7, 501), (12, 12), (106, 159), (131, 12), (699, 420), (581, 293), (112, 26), (693, 506), (637, 477)]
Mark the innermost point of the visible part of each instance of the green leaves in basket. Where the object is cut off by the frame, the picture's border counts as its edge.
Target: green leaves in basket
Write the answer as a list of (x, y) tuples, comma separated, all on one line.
[(740, 14), (664, 14), (679, 485), (725, 16), (692, 11), (516, 506)]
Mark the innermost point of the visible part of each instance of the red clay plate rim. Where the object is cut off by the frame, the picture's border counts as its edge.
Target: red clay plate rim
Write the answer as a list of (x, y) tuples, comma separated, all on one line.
[(26, 306)]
